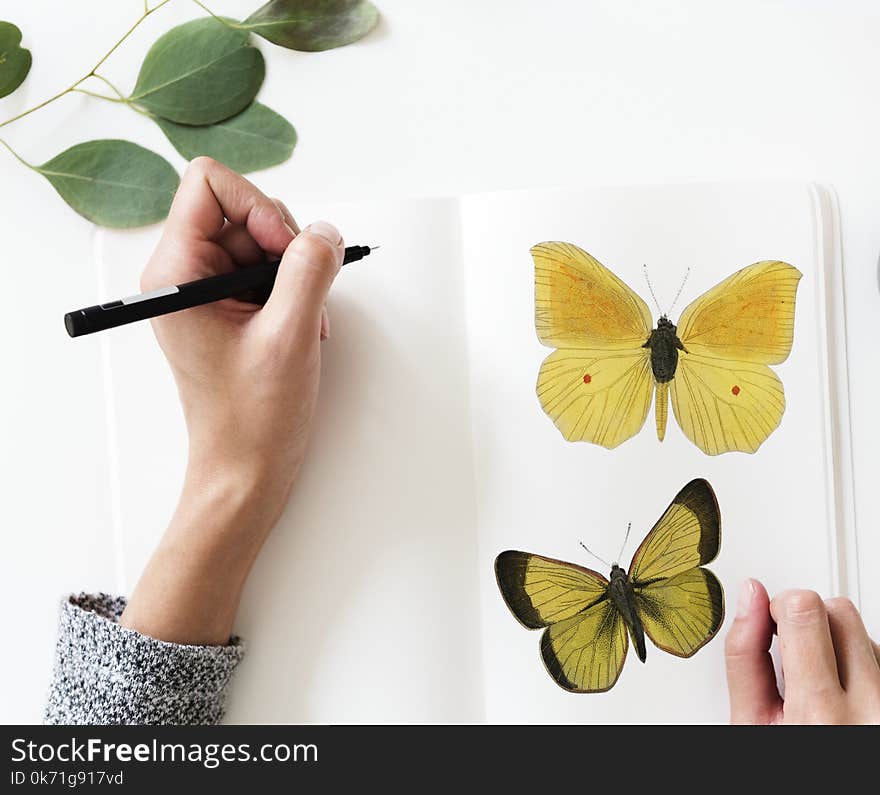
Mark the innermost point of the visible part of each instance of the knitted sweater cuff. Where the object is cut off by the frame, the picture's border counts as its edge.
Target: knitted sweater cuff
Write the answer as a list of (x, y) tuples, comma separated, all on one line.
[(108, 674)]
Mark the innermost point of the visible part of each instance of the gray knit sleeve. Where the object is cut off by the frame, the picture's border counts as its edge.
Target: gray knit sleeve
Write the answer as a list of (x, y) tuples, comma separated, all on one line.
[(105, 673)]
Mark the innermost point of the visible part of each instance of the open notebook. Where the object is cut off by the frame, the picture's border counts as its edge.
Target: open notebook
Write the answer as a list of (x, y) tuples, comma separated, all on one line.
[(375, 598)]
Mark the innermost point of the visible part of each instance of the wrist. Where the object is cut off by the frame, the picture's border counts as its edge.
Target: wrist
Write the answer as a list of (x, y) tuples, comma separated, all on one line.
[(230, 500), (190, 590)]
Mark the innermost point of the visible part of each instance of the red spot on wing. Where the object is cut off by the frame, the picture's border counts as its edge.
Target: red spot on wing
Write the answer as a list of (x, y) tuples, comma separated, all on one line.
[(588, 378), (735, 389)]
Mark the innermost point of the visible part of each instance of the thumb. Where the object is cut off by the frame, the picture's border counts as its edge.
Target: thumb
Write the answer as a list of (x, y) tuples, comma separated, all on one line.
[(307, 269), (751, 682)]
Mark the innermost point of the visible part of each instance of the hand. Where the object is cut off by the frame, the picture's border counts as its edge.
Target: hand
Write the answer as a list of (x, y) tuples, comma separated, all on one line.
[(248, 381), (830, 665), (248, 377)]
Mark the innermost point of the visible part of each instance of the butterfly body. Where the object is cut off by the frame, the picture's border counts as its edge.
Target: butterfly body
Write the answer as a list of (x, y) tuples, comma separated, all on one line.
[(664, 345), (621, 593), (588, 619), (610, 358)]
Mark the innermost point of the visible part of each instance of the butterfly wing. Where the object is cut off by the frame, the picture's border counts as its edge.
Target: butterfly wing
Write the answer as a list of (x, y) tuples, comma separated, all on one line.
[(681, 614), (724, 396), (723, 405), (748, 317), (541, 591), (688, 534), (680, 604), (597, 387), (596, 396), (579, 303), (585, 653), (585, 642)]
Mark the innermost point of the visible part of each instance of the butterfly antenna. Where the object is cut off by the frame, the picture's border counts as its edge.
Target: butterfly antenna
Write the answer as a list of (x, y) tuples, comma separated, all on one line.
[(675, 300), (650, 287), (594, 554), (625, 539)]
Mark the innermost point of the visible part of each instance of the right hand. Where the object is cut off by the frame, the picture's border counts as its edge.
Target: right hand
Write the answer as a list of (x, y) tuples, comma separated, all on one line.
[(247, 376), (830, 664), (248, 381)]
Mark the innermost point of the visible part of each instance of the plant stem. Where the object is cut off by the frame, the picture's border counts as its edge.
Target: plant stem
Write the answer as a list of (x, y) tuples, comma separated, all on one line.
[(96, 95), (228, 23), (119, 98), (127, 34), (122, 97), (17, 156), (92, 72), (110, 85), (41, 105)]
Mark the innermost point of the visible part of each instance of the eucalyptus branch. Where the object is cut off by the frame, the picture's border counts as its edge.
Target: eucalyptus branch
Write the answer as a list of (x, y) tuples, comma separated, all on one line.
[(92, 72), (199, 83)]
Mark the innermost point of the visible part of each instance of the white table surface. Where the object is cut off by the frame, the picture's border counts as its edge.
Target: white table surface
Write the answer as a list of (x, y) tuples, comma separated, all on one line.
[(451, 97)]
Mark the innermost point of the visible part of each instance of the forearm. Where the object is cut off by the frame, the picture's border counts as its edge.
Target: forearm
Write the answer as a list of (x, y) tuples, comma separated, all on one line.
[(168, 654), (190, 590)]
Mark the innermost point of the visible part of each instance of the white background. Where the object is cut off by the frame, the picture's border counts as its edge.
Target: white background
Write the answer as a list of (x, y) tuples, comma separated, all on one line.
[(442, 98)]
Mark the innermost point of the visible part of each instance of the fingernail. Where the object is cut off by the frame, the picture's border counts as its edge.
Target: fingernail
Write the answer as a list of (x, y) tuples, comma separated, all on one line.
[(744, 600), (325, 324), (325, 230), (290, 229)]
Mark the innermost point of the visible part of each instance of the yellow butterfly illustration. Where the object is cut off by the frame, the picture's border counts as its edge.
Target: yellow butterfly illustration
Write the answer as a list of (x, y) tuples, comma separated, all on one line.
[(597, 386), (666, 595)]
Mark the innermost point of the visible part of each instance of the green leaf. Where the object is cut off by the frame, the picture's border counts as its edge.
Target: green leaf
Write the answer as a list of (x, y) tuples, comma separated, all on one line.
[(254, 139), (15, 61), (113, 183), (313, 25), (200, 72)]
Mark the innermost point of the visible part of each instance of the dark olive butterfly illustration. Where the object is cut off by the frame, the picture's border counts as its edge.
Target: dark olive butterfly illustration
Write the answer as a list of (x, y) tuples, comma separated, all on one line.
[(588, 620)]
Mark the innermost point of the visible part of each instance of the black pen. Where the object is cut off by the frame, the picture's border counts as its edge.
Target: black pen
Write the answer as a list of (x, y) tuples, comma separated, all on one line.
[(253, 283)]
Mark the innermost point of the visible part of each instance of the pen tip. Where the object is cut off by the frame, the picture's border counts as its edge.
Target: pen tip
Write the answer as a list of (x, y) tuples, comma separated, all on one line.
[(373, 248)]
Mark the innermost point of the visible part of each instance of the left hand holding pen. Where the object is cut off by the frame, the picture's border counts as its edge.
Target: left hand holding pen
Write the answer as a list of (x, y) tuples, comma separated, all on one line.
[(248, 382)]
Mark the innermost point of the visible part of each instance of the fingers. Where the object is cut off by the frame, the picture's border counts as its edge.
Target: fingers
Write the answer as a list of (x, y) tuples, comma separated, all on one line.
[(307, 270), (824, 648), (210, 193), (751, 682), (854, 651), (238, 243), (808, 660), (288, 217), (241, 247)]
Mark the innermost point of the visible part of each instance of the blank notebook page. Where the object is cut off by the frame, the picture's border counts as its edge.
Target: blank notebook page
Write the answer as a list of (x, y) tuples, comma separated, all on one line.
[(361, 606)]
